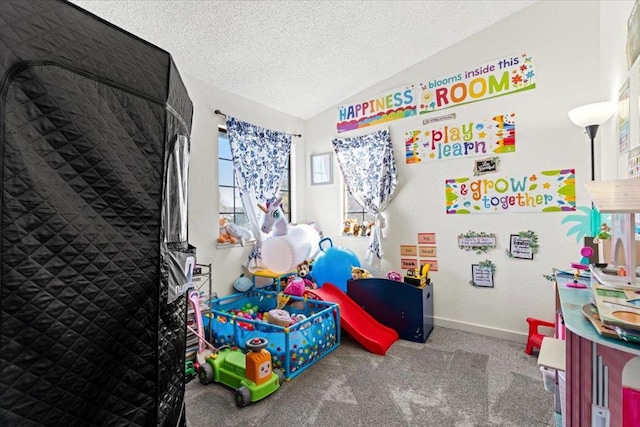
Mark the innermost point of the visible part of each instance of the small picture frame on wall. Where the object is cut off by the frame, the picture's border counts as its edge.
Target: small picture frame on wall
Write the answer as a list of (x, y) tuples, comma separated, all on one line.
[(520, 247), (481, 276), (484, 166), (321, 169)]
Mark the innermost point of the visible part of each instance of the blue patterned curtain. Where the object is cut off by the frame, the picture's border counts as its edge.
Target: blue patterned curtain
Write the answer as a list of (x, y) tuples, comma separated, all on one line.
[(369, 171), (260, 158)]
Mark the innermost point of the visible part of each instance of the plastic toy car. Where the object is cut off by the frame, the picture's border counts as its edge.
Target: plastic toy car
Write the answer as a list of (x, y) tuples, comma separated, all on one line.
[(250, 375)]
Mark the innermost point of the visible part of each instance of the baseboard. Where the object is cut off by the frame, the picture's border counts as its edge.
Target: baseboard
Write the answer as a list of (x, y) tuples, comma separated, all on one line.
[(481, 330)]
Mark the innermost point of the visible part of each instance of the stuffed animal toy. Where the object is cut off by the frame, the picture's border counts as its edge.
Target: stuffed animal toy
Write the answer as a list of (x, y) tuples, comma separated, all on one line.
[(394, 275), (359, 273), (348, 224), (369, 228), (356, 228), (304, 271), (225, 236), (295, 286), (239, 233)]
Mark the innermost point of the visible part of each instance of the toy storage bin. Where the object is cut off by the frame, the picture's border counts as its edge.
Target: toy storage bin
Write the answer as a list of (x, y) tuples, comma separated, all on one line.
[(294, 348)]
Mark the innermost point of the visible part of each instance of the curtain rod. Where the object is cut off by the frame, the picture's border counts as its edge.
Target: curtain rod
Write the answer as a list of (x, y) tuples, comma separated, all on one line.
[(220, 113)]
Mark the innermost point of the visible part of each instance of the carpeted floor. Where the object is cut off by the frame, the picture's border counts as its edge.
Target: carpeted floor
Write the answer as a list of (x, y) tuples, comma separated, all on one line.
[(454, 379)]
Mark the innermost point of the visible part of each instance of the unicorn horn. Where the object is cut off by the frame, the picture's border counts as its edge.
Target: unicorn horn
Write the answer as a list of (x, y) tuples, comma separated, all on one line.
[(263, 209)]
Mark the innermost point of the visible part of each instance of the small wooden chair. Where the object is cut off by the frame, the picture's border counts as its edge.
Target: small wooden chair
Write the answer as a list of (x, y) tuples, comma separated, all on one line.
[(535, 337)]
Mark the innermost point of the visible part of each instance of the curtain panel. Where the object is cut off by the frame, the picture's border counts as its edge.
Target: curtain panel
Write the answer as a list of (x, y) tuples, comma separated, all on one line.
[(368, 168), (260, 158)]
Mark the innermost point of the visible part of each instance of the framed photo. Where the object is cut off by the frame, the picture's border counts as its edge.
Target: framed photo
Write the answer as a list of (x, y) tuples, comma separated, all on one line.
[(520, 247), (481, 276), (478, 242), (321, 169), (486, 166)]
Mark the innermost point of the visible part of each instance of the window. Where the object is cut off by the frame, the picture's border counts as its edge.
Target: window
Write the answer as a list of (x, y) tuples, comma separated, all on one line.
[(230, 204), (356, 220)]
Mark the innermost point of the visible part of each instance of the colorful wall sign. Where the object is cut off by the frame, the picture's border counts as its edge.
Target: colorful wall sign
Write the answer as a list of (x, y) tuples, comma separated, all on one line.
[(511, 74), (546, 191), (395, 104), (494, 135)]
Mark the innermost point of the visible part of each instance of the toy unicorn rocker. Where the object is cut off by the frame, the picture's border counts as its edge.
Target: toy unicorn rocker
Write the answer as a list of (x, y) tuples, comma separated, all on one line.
[(288, 245)]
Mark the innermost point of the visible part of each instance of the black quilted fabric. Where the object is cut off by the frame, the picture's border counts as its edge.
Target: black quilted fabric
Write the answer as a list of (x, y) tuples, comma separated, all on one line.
[(88, 111)]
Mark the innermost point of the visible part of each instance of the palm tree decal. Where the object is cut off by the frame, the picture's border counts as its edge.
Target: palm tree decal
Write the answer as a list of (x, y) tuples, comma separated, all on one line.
[(582, 227)]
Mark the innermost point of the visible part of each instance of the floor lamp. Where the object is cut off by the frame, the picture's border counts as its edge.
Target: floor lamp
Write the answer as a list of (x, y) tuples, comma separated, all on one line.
[(590, 117)]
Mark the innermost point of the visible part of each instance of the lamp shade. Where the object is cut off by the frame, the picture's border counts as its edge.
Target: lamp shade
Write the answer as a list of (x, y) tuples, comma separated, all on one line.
[(592, 114)]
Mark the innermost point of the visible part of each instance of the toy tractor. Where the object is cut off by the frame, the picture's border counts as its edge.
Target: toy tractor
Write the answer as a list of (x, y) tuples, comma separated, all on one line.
[(250, 375)]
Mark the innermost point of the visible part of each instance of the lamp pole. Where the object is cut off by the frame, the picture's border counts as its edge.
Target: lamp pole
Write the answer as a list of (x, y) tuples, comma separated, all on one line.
[(592, 130)]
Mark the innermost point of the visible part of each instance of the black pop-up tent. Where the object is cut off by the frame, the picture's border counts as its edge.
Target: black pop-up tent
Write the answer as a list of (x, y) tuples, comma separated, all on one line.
[(94, 130)]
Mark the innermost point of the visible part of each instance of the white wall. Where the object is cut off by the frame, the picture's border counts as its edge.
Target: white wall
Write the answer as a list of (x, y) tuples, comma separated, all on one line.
[(613, 73), (564, 40), (203, 172)]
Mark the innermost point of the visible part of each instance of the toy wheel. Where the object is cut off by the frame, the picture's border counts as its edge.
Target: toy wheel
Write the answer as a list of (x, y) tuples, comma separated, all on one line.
[(256, 344), (242, 396), (205, 373)]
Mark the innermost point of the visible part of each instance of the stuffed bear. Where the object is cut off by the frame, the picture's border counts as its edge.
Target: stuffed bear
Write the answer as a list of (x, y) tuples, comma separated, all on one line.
[(304, 271)]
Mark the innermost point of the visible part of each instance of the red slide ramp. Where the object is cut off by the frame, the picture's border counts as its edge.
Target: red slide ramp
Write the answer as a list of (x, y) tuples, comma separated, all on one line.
[(370, 333)]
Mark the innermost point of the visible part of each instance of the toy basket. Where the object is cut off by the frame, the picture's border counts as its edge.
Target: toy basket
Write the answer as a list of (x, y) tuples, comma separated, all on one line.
[(293, 348)]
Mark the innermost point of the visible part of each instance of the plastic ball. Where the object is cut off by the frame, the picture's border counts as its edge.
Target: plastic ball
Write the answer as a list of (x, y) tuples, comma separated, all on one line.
[(333, 265), (242, 284)]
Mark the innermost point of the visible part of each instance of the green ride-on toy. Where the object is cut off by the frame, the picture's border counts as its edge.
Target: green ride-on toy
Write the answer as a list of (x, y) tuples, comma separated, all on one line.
[(189, 371), (250, 375)]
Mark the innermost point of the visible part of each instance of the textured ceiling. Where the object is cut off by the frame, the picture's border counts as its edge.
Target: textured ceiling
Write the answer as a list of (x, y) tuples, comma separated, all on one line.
[(300, 57)]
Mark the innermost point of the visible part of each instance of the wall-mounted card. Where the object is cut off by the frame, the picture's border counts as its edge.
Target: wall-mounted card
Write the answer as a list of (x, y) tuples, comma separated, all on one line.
[(427, 238), (428, 252), (433, 264), (408, 264), (408, 250)]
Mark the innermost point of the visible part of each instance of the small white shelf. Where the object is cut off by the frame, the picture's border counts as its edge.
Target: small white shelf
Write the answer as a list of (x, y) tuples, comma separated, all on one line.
[(552, 354)]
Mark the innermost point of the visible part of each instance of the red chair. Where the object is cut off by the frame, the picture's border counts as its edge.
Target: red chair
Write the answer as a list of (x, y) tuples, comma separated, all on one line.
[(535, 337)]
